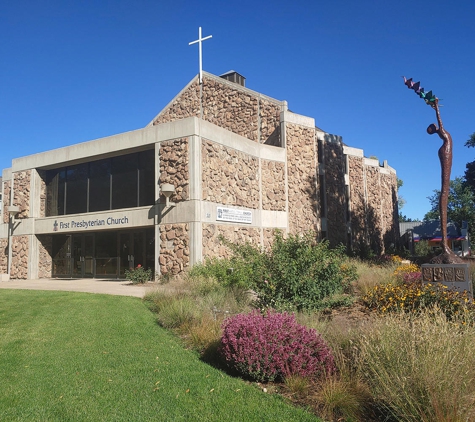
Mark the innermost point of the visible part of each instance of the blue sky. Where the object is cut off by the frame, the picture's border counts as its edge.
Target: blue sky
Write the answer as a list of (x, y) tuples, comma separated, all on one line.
[(73, 71)]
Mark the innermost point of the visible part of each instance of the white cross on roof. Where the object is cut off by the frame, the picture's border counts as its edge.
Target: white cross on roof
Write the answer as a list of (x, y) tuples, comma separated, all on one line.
[(199, 41)]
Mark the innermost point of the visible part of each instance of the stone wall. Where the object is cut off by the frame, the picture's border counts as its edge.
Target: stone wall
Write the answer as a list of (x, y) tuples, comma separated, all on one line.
[(273, 185), (42, 175), (213, 247), (229, 106), (229, 177), (268, 238), (174, 248), (3, 256), (45, 261), (174, 167), (373, 213), (20, 249), (335, 193), (357, 201), (390, 219), (21, 192), (301, 173), (6, 199), (269, 117), (186, 105)]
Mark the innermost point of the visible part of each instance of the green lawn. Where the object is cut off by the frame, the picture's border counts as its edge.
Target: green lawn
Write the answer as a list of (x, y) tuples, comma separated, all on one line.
[(84, 357)]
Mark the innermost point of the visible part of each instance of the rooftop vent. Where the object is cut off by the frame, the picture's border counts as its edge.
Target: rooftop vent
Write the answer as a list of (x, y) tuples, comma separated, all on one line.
[(233, 76)]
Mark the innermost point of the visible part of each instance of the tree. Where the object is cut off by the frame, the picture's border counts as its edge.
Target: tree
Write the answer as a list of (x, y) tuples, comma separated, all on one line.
[(400, 203), (471, 142), (461, 206), (470, 167), (405, 219), (400, 200)]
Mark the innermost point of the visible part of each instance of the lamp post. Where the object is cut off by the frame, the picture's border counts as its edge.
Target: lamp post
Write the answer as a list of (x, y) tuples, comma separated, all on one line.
[(13, 210)]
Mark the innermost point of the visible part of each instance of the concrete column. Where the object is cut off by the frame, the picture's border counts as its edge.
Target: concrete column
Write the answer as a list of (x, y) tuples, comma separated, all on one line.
[(195, 171), (157, 209), (34, 256)]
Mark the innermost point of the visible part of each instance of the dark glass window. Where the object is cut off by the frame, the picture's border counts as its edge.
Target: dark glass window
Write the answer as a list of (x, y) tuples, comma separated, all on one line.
[(55, 185), (120, 182), (320, 151), (321, 186), (146, 178), (99, 185), (61, 206), (124, 181), (106, 244), (76, 189)]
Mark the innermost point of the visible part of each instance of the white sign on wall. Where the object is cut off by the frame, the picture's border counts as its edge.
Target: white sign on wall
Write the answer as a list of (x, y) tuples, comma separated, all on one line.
[(233, 215)]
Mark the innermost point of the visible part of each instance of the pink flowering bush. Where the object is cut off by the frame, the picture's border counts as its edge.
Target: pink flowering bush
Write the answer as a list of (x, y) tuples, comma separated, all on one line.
[(414, 277), (272, 346)]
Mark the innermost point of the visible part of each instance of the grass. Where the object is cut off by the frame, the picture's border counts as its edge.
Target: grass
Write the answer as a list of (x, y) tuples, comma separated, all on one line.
[(372, 275), (83, 357)]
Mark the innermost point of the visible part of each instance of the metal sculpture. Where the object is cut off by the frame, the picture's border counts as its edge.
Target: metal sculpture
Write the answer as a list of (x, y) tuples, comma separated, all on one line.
[(445, 157)]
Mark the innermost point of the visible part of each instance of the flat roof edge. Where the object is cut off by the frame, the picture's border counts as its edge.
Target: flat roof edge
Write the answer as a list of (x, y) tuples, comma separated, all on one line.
[(103, 147)]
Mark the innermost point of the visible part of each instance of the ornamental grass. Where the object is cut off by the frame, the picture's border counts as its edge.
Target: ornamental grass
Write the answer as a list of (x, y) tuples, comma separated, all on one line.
[(420, 369)]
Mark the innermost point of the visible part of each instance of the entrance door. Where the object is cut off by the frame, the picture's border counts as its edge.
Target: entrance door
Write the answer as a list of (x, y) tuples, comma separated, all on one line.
[(126, 252), (102, 254), (132, 250), (83, 255)]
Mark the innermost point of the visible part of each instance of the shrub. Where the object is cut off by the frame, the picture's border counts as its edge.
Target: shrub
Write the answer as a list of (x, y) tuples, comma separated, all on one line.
[(422, 248), (138, 275), (273, 346), (402, 270), (386, 260), (302, 272), (410, 278), (413, 297), (295, 274), (229, 272)]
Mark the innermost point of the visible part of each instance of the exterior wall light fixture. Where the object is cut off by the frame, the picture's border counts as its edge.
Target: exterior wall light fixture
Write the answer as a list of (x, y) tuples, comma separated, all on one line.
[(167, 189)]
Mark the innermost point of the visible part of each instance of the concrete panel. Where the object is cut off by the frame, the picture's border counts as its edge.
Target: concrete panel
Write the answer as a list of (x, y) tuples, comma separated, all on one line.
[(371, 162), (355, 152), (260, 218), (182, 212), (222, 136), (298, 119), (6, 174), (116, 220), (276, 219), (23, 226), (109, 146)]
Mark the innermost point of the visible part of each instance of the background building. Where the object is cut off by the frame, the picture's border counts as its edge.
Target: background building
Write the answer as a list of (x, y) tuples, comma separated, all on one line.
[(241, 165), (430, 231)]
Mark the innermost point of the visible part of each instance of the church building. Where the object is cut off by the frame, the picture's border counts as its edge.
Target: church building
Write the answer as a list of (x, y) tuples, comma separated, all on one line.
[(219, 159)]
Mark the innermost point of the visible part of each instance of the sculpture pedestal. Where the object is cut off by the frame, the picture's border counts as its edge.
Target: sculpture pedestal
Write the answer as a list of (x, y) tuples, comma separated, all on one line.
[(454, 276)]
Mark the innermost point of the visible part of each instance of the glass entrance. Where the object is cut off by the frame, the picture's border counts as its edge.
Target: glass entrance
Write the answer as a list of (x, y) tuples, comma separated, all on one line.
[(132, 250), (83, 255), (102, 254)]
